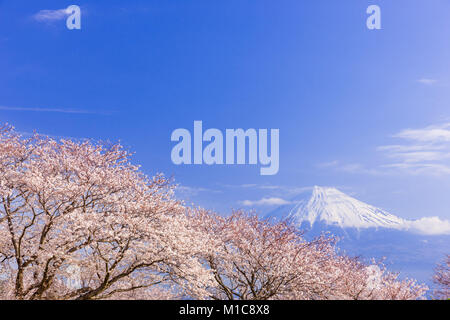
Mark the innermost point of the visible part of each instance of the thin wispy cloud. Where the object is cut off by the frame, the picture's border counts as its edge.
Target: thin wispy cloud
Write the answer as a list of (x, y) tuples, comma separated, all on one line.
[(56, 110), (431, 134), (329, 164), (420, 168), (427, 81), (267, 195), (53, 136), (359, 168), (274, 190), (193, 191), (423, 150), (409, 148), (417, 151), (50, 15), (273, 201), (353, 168)]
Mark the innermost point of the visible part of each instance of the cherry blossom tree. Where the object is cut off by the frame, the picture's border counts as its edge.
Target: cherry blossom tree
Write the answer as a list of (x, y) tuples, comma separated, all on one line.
[(77, 207), (357, 280), (442, 280), (259, 259), (158, 292)]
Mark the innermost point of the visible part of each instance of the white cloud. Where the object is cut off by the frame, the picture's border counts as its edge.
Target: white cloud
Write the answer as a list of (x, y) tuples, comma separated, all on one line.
[(50, 15), (430, 226), (53, 136), (248, 185), (427, 81), (358, 168), (265, 202), (192, 191), (420, 151), (257, 186), (420, 168), (353, 168), (328, 164), (285, 190), (409, 148), (430, 134), (415, 157), (423, 151)]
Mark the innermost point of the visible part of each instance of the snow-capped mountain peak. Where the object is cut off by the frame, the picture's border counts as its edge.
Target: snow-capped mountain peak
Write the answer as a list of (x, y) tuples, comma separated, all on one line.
[(333, 207)]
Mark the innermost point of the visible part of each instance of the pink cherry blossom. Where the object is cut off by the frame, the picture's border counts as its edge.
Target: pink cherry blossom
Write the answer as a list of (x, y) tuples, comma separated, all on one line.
[(65, 204), (442, 279), (260, 259)]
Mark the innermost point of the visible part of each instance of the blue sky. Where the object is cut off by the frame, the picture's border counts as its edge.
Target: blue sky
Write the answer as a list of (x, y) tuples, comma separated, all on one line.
[(366, 111)]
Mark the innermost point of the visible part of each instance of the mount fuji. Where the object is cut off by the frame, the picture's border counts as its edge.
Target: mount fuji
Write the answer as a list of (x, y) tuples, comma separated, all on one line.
[(335, 208), (410, 247)]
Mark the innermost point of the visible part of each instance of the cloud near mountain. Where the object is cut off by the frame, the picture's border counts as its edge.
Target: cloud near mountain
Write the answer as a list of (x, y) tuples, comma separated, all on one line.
[(266, 202), (430, 226)]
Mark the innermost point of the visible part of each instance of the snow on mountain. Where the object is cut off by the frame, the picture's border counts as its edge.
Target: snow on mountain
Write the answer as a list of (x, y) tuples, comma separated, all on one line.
[(333, 207)]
